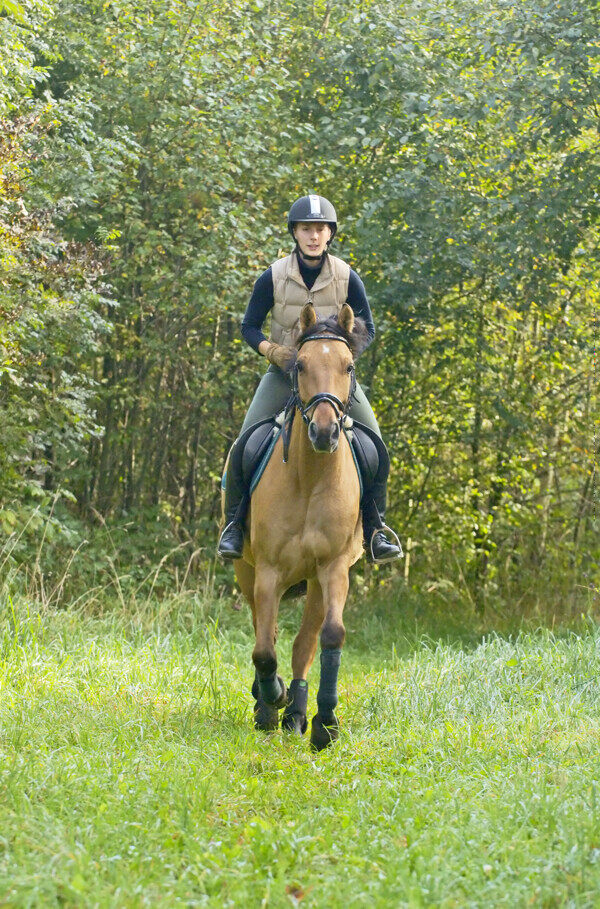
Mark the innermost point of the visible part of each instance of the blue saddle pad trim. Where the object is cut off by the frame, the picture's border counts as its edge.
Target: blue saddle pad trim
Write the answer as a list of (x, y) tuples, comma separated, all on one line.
[(267, 456), (263, 463), (360, 482)]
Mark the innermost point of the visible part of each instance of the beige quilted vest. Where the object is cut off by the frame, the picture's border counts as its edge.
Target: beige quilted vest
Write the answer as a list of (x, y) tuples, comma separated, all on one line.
[(328, 294)]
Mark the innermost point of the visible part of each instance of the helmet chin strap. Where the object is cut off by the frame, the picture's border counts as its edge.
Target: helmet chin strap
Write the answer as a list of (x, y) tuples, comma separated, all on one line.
[(312, 258)]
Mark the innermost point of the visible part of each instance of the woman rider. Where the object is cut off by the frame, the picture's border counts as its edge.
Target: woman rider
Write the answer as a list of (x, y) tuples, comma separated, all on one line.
[(309, 274)]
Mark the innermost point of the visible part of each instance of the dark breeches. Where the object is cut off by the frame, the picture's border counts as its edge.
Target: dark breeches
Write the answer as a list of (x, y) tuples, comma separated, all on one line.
[(274, 390)]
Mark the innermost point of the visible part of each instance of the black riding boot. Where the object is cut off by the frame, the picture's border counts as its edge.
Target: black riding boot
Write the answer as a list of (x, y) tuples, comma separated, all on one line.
[(379, 549), (231, 541)]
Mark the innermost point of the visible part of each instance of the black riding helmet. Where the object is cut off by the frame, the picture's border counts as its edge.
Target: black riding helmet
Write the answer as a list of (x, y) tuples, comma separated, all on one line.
[(312, 208)]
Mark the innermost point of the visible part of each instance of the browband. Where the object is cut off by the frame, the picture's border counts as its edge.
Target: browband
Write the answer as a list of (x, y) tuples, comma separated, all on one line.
[(325, 338)]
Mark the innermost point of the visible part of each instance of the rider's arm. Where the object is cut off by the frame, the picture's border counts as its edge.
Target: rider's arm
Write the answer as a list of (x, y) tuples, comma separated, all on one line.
[(261, 302), (357, 298)]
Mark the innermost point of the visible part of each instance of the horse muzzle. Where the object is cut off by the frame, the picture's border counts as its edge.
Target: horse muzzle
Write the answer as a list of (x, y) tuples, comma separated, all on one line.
[(324, 438)]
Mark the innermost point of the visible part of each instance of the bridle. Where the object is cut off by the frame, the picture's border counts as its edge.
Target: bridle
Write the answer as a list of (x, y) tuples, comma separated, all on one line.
[(295, 401), (339, 407)]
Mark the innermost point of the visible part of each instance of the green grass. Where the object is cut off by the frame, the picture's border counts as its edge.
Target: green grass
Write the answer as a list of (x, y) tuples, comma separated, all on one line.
[(130, 775)]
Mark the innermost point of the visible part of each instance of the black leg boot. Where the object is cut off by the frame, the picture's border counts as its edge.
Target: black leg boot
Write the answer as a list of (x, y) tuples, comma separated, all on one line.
[(231, 541), (378, 547)]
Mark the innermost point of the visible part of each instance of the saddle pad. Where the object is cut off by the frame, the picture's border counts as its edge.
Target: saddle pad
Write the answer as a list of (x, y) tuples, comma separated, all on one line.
[(260, 440), (364, 443), (349, 436), (249, 450), (260, 469)]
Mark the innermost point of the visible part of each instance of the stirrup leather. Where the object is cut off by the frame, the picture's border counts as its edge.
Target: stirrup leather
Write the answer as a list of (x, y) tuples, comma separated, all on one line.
[(398, 543)]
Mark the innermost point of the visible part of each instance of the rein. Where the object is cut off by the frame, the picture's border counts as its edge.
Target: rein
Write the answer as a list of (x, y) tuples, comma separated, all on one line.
[(295, 401)]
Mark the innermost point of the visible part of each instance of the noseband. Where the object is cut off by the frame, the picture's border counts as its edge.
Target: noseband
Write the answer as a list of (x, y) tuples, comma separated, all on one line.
[(295, 401)]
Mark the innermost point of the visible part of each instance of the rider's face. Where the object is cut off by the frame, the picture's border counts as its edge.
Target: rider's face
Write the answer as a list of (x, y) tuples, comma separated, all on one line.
[(312, 237)]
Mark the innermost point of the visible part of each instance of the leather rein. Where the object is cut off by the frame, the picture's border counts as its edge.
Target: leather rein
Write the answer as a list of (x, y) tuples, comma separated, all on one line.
[(295, 401)]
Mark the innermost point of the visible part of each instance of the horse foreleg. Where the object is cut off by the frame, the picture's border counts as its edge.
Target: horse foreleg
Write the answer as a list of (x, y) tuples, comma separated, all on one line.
[(265, 716), (269, 686), (303, 654), (334, 583), (244, 574), (305, 644)]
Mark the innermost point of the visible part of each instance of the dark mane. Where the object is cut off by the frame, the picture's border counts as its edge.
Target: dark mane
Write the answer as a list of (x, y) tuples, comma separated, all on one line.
[(358, 340)]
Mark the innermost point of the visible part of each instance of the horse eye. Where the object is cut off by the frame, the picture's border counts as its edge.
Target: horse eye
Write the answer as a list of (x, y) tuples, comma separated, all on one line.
[(300, 366), (349, 367)]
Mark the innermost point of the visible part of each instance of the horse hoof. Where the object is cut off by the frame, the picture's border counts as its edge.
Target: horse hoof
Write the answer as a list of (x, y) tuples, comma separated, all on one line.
[(295, 723), (272, 691), (323, 734), (283, 698), (266, 717)]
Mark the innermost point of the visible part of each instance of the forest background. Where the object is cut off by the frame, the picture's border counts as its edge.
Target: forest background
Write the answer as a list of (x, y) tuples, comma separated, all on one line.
[(149, 151)]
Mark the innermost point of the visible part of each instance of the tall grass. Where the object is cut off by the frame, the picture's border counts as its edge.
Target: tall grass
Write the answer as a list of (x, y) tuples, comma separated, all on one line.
[(130, 774)]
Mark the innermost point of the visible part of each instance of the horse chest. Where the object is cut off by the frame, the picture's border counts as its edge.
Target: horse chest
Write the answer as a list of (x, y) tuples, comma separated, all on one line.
[(328, 525), (306, 512), (326, 513)]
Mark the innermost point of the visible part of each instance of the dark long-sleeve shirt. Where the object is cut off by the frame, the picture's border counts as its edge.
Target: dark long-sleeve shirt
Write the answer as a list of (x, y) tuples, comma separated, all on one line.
[(261, 302)]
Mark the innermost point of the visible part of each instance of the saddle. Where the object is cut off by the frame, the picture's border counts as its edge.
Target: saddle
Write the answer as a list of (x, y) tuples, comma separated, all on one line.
[(255, 447)]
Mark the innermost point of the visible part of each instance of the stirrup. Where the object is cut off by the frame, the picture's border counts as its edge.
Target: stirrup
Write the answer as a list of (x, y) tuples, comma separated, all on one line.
[(398, 543)]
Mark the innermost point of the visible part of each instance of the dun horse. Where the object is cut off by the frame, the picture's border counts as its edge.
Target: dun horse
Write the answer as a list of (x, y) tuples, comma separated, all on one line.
[(305, 525)]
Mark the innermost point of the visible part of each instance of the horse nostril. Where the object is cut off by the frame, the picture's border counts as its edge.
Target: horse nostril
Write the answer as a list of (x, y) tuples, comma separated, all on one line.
[(334, 433), (313, 432)]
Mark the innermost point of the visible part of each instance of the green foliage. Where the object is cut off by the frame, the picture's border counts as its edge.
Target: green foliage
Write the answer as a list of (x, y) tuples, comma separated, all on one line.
[(460, 145), (19, 44), (49, 329)]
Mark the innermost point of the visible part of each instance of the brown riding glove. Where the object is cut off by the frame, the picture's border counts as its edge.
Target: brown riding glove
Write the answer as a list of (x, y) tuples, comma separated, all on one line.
[(281, 356)]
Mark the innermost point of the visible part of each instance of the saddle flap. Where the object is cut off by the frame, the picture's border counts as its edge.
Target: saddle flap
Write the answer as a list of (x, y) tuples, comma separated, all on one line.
[(255, 447), (366, 451)]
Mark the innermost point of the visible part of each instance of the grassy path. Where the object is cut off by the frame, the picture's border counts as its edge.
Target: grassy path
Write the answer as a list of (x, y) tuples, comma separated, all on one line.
[(130, 775)]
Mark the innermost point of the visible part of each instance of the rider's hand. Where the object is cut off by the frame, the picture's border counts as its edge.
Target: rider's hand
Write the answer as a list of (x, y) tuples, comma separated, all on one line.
[(281, 356)]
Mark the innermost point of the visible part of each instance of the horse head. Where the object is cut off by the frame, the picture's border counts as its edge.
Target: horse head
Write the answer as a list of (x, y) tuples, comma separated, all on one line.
[(323, 374)]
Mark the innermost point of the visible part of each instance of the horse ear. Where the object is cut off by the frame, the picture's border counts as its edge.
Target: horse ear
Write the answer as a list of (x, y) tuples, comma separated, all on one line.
[(346, 318), (308, 317)]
